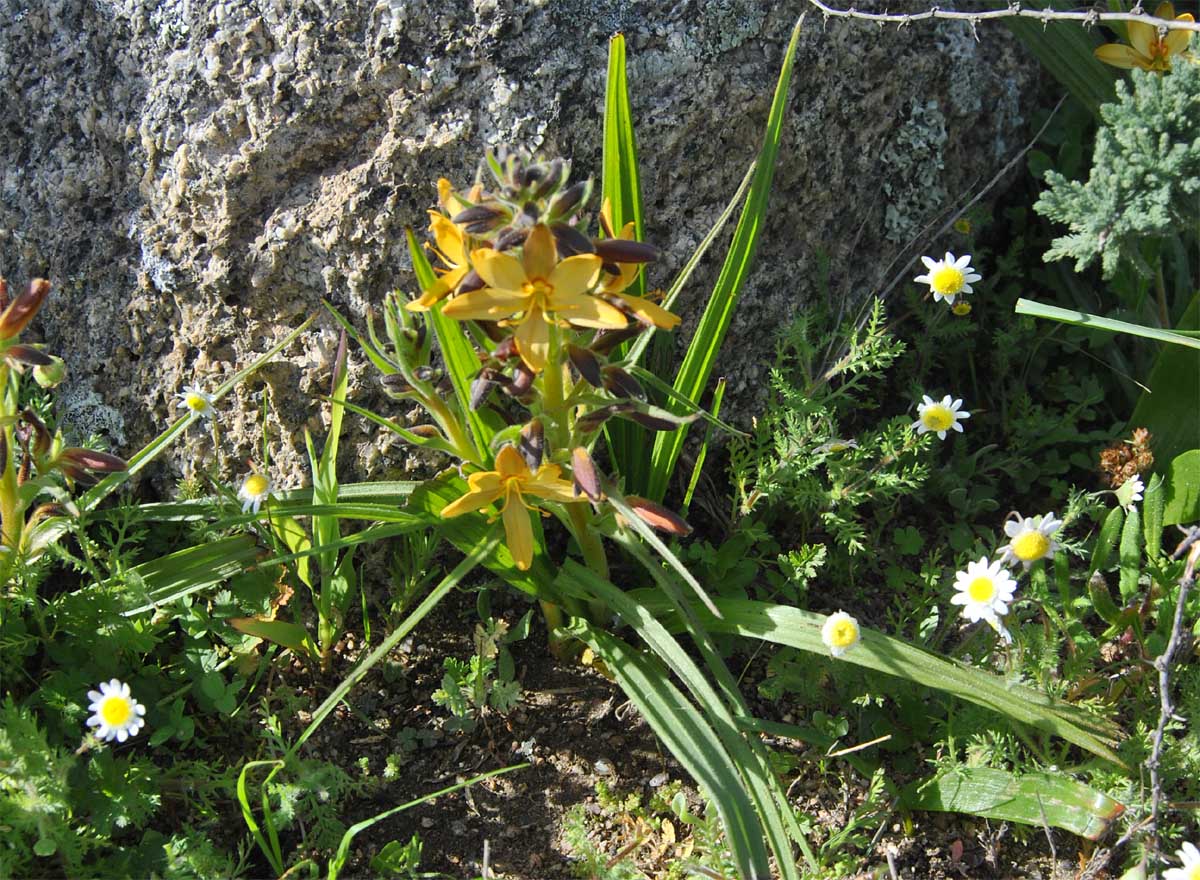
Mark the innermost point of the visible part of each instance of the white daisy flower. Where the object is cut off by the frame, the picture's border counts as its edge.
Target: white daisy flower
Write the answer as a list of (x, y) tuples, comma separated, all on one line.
[(196, 401), (984, 591), (1030, 539), (116, 714), (1130, 492), (840, 633), (947, 278), (1190, 868), (940, 416), (255, 490)]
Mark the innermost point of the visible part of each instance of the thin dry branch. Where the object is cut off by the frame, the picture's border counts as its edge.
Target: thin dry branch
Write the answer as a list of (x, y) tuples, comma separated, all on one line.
[(1089, 18), (1191, 546)]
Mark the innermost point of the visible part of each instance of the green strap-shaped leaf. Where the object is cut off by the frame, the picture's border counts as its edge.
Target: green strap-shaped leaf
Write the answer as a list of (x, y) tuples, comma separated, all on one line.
[(702, 351), (691, 739), (802, 630), (1037, 799)]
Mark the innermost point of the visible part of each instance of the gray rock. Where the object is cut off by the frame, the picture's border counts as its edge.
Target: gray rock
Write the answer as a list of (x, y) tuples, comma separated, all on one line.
[(197, 175)]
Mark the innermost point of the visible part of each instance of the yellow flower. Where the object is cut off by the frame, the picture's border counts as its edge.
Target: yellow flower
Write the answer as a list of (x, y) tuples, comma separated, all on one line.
[(512, 481), (451, 249), (1148, 51), (541, 289)]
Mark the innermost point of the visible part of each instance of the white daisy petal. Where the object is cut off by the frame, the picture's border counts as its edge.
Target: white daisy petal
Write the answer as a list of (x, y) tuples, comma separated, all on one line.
[(116, 714)]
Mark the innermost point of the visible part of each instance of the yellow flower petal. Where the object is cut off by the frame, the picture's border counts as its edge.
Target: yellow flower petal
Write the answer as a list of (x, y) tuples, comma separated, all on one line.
[(1119, 55), (450, 239), (547, 483), (472, 501), (1166, 10), (651, 312), (585, 310), (488, 304), (510, 463), (575, 275), (540, 253), (497, 269), (1177, 41), (438, 291), (518, 533), (1142, 37), (533, 340)]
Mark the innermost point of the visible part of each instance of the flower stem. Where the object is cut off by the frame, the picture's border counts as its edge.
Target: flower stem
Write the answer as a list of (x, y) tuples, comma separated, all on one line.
[(593, 553)]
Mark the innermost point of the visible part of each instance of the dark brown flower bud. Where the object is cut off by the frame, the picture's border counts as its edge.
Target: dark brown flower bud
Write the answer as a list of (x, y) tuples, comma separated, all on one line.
[(395, 383), (532, 444), (20, 311), (552, 175), (587, 480), (654, 423), (486, 216), (506, 349), (426, 432), (592, 421), (586, 364), (3, 294), (481, 388), (658, 517), (607, 340), (471, 281), (41, 434), (27, 354), (522, 381), (622, 250), (565, 203), (93, 460), (427, 374), (620, 384), (570, 240), (510, 238)]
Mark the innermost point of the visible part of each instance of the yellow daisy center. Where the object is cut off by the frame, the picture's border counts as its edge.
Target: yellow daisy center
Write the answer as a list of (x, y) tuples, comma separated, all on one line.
[(1031, 546), (1194, 872), (116, 711), (844, 634), (947, 280), (195, 402), (256, 484), (960, 308), (937, 418), (982, 589)]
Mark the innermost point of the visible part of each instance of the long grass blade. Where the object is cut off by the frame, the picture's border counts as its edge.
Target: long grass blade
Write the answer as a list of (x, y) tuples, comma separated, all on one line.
[(1099, 322), (703, 349)]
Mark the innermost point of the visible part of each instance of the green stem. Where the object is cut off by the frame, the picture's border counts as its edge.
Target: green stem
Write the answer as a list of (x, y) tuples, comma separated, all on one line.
[(552, 392), (593, 553), (463, 447)]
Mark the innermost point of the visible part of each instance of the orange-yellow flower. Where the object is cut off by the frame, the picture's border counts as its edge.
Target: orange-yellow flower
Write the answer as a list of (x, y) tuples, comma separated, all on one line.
[(1147, 50), (541, 289), (512, 481), (451, 249)]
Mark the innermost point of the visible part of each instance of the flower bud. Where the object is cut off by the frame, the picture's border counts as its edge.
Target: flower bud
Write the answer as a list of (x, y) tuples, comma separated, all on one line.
[(27, 355), (587, 480), (658, 517), (620, 384), (51, 374), (623, 250), (20, 311), (532, 444), (571, 198), (571, 241), (586, 364)]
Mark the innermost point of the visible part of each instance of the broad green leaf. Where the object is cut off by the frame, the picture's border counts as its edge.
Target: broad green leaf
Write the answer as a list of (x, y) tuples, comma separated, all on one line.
[(690, 738), (705, 345), (281, 632), (1169, 409), (1102, 601), (1106, 541), (1183, 490), (1153, 505), (1037, 799), (1129, 554)]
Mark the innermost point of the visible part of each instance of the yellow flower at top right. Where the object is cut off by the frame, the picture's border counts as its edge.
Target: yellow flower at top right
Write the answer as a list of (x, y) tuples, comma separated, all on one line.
[(1148, 51)]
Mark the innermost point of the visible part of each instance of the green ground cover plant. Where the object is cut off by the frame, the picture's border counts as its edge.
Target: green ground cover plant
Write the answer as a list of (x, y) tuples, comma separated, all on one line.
[(952, 572)]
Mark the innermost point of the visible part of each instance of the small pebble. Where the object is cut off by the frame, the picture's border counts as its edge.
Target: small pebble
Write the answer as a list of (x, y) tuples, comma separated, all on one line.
[(659, 779), (603, 766)]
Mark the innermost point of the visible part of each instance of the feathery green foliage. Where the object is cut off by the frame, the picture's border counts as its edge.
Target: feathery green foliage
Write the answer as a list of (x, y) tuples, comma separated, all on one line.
[(1145, 177)]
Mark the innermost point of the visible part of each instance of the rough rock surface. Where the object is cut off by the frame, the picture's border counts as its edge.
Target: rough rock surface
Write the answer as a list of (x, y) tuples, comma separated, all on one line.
[(197, 175)]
